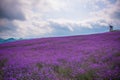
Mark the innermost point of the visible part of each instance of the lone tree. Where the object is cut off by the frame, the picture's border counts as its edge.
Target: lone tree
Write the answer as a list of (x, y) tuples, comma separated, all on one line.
[(111, 28)]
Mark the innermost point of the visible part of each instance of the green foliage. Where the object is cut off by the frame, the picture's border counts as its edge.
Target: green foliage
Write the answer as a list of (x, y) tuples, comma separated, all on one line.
[(117, 54), (39, 65), (1, 74), (62, 71), (35, 76), (85, 76), (2, 64)]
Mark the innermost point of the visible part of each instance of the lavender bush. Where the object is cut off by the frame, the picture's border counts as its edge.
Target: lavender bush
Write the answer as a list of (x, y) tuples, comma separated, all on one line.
[(88, 57)]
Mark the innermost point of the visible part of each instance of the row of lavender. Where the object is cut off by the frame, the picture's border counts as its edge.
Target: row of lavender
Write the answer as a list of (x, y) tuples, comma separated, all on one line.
[(88, 57)]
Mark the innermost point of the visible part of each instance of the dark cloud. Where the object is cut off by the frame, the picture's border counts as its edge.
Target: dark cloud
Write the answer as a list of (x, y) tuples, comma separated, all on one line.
[(6, 25), (11, 9), (7, 28), (116, 15), (112, 1)]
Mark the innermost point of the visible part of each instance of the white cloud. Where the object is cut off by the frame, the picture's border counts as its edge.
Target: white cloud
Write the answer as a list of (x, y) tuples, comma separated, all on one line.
[(108, 14), (36, 28), (41, 15)]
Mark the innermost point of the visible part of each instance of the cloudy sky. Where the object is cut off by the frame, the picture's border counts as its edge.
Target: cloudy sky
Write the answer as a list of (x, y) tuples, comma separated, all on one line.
[(47, 18)]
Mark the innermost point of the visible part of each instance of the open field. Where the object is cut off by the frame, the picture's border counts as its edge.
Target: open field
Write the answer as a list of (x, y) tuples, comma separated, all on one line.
[(84, 57)]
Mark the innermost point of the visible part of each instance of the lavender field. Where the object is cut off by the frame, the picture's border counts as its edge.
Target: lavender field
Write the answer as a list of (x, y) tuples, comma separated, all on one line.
[(85, 57)]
